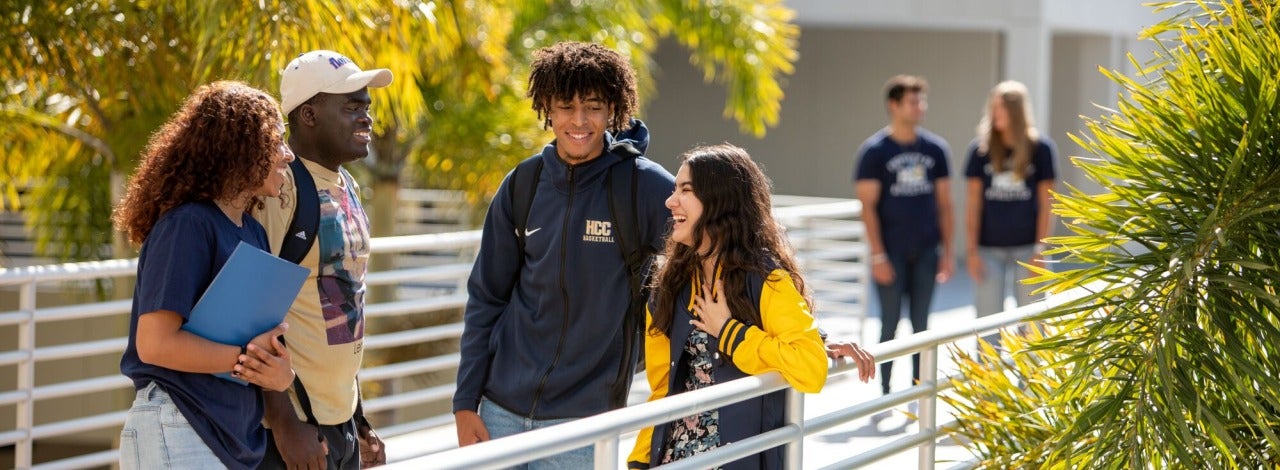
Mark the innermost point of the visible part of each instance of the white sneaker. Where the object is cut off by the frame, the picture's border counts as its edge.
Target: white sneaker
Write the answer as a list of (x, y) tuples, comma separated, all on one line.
[(913, 410)]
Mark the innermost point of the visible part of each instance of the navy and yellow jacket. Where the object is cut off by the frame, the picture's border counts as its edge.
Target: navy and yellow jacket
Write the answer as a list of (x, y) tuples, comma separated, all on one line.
[(543, 338), (787, 342)]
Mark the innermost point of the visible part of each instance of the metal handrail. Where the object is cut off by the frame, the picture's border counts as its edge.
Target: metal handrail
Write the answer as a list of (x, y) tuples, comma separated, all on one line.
[(604, 430), (28, 317)]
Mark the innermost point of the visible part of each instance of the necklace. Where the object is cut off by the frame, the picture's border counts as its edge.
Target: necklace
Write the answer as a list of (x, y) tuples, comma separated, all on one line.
[(233, 211)]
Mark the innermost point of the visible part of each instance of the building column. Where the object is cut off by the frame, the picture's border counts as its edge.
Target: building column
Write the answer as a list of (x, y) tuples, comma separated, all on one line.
[(1028, 48)]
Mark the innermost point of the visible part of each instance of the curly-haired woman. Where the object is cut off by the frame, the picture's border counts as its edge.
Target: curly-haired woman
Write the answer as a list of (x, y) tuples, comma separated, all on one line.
[(729, 302), (187, 207)]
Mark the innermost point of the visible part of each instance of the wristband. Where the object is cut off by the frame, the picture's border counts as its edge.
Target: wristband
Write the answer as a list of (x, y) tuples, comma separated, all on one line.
[(879, 258), (244, 351)]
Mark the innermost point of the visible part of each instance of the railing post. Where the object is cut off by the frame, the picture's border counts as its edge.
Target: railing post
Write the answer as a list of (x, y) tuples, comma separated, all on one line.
[(606, 453), (928, 417), (795, 416), (807, 244), (26, 374)]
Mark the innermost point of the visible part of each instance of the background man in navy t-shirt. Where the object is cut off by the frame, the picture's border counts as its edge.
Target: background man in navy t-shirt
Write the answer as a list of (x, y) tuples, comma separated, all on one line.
[(902, 181)]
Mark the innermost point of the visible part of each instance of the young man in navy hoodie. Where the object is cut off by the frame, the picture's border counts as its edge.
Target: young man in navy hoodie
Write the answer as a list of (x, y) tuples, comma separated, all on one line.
[(544, 337)]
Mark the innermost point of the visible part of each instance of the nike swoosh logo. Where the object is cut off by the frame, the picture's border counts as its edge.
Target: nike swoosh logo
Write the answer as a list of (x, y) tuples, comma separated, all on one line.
[(528, 232)]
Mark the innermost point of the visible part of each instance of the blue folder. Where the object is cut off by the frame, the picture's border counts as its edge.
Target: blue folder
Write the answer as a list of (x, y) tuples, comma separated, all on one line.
[(249, 296)]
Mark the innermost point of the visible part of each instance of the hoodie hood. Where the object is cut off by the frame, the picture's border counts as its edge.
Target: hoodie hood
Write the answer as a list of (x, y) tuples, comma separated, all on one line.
[(633, 141)]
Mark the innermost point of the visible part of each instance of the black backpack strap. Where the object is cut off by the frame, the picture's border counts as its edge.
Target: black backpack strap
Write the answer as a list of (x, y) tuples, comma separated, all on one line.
[(304, 401), (306, 216), (524, 184), (298, 240), (622, 206), (620, 183)]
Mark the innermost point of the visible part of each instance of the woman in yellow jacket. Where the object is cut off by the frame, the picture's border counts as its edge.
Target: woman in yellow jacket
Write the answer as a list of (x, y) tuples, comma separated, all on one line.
[(729, 302)]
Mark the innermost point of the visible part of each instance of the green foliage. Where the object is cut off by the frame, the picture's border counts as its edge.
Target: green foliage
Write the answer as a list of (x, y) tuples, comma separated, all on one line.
[(1003, 403), (91, 79), (1173, 360)]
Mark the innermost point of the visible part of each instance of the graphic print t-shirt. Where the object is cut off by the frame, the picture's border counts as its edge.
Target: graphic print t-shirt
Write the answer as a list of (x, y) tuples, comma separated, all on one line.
[(907, 174), (326, 322), (1009, 206)]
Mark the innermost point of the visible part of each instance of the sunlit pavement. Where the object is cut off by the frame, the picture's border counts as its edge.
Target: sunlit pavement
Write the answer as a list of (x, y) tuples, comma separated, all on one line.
[(951, 307)]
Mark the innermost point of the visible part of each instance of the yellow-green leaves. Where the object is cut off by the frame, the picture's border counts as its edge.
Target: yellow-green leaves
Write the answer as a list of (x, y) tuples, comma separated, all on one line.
[(91, 79), (1173, 362)]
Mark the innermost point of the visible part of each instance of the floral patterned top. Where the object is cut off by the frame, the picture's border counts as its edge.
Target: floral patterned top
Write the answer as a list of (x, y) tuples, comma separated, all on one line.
[(701, 432)]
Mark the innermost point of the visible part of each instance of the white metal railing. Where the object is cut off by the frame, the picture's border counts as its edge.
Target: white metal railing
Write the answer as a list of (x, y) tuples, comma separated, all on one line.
[(824, 232), (604, 431)]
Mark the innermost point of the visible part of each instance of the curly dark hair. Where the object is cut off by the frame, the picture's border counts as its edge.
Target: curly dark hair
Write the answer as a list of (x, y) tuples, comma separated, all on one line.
[(570, 69), (737, 221), (220, 144)]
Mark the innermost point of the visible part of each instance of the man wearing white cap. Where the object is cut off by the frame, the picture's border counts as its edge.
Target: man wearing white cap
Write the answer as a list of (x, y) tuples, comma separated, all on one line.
[(318, 423)]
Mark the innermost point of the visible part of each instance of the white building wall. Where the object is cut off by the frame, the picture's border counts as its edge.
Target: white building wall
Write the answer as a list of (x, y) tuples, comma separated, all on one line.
[(848, 48)]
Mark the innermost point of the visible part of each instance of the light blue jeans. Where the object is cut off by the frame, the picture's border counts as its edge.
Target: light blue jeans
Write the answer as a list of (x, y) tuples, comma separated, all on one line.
[(502, 423), (999, 269), (156, 435)]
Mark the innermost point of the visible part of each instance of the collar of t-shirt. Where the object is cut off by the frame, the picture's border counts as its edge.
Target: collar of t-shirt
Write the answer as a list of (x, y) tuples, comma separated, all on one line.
[(324, 177)]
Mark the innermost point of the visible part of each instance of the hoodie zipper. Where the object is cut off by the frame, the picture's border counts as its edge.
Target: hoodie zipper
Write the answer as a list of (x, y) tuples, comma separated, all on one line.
[(564, 293)]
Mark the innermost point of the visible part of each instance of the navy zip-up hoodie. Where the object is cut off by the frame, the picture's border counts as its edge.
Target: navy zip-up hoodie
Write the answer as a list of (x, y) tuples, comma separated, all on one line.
[(546, 342)]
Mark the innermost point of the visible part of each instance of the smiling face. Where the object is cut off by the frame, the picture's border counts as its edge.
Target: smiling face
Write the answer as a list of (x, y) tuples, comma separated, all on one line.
[(343, 127), (274, 183), (686, 208), (579, 125)]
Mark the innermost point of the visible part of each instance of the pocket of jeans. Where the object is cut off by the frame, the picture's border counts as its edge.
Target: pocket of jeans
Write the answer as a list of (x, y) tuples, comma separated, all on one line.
[(129, 458), (171, 417)]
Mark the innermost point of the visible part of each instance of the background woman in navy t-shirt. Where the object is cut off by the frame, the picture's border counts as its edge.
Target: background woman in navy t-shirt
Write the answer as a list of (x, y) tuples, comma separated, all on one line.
[(1009, 176), (187, 206)]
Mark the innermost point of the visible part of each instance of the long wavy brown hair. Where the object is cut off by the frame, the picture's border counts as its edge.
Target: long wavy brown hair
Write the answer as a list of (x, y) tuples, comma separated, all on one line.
[(569, 69), (737, 222), (219, 145), (1012, 96)]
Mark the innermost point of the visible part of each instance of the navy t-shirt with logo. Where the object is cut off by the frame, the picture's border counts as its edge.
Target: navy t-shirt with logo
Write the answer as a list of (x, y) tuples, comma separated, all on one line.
[(179, 258), (1009, 206), (908, 207)]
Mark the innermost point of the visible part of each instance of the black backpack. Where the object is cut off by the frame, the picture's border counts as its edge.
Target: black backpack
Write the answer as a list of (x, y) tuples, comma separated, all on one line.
[(620, 183), (297, 243)]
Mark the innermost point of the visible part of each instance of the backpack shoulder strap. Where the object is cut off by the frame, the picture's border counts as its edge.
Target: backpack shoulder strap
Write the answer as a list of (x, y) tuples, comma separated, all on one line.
[(524, 184), (297, 243), (621, 183), (306, 215)]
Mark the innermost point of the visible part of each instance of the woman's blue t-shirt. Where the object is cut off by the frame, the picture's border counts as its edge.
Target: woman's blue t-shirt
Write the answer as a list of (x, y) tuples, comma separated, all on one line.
[(179, 259), (1010, 210)]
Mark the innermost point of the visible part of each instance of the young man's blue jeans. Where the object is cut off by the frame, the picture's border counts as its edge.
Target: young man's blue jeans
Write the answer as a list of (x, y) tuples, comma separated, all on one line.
[(502, 423), (913, 278)]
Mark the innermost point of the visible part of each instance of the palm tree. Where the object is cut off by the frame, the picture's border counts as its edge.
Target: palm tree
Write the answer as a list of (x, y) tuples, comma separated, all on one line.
[(91, 79), (1172, 360)]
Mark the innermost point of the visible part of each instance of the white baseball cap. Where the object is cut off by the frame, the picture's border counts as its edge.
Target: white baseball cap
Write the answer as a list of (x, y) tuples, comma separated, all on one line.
[(323, 71)]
